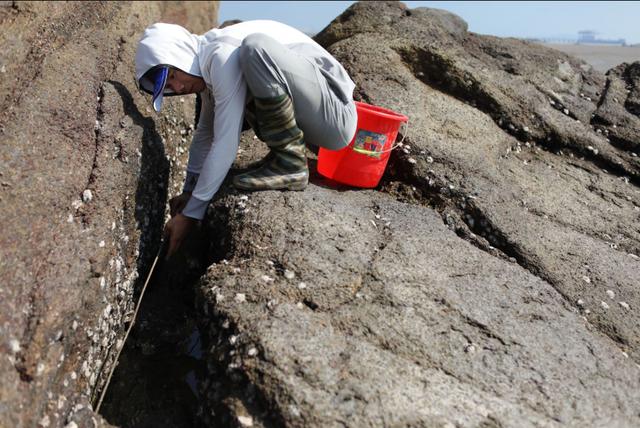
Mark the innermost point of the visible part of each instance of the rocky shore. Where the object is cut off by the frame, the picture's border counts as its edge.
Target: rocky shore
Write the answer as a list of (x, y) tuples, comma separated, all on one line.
[(85, 172), (490, 280)]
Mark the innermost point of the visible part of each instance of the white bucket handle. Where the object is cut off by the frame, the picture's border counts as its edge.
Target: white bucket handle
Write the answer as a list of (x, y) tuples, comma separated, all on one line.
[(398, 144)]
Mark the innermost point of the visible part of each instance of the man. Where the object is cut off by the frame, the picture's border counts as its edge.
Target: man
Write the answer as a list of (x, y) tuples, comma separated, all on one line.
[(290, 89)]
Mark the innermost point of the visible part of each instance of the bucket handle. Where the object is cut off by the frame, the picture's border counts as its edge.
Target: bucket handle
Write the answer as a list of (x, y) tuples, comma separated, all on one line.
[(398, 144)]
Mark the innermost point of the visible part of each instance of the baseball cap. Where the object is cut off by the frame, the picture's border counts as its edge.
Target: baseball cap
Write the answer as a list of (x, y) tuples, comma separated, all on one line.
[(159, 82), (154, 82)]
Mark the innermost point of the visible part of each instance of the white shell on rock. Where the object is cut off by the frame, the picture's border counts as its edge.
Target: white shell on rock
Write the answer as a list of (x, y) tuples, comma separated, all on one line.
[(245, 421), (87, 196), (44, 422), (14, 345)]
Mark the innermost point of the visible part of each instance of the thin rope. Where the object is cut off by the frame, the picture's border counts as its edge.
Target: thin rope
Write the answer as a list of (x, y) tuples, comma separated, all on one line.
[(133, 321)]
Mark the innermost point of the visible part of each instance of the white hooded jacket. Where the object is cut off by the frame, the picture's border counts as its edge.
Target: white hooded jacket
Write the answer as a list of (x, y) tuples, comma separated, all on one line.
[(214, 56)]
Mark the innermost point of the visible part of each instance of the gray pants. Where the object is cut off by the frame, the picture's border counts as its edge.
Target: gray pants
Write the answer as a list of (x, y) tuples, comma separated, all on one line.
[(271, 69)]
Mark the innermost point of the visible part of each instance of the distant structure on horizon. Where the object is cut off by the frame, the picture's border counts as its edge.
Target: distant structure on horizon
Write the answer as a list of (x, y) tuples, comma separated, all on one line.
[(588, 37), (585, 37)]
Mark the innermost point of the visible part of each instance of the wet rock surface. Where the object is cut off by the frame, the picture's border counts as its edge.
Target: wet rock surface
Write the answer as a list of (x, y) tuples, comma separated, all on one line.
[(85, 178), (490, 280)]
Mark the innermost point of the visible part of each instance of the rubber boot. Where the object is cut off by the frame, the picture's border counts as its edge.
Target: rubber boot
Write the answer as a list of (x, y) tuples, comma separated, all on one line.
[(250, 117), (286, 166)]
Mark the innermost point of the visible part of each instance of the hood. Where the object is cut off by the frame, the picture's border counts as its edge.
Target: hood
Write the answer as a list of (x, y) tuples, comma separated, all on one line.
[(166, 44)]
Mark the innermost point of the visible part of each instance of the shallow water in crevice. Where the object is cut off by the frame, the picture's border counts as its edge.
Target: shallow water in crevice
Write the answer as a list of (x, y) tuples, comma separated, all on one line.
[(156, 381)]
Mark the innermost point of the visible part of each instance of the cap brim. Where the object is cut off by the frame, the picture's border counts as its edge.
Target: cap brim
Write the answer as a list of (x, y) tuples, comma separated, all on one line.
[(160, 80)]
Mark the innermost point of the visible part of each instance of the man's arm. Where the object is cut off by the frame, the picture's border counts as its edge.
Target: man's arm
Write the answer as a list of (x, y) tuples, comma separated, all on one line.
[(229, 92), (200, 143)]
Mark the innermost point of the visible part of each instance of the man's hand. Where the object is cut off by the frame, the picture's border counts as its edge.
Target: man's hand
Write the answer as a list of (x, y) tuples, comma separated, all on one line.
[(177, 203), (176, 230)]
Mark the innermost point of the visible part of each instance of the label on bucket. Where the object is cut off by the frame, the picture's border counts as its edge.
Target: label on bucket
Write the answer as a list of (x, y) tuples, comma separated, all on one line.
[(369, 143)]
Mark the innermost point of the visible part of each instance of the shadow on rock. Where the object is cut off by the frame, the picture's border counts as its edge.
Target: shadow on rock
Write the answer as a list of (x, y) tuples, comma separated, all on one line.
[(151, 191)]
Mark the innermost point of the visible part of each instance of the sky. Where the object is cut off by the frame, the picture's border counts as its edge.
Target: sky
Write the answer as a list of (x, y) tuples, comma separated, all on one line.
[(530, 19)]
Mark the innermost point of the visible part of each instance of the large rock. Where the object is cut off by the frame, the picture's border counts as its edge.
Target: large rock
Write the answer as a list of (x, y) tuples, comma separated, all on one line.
[(84, 183), (618, 113), (491, 280)]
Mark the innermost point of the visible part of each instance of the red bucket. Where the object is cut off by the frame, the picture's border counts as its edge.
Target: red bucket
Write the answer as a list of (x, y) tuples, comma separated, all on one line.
[(363, 161)]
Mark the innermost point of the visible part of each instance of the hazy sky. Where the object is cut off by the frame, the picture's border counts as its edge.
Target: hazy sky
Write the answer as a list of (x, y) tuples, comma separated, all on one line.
[(560, 19)]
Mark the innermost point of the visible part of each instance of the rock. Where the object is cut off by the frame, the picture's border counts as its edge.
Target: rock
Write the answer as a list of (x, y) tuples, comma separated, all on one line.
[(431, 285), (396, 307), (67, 139), (619, 110)]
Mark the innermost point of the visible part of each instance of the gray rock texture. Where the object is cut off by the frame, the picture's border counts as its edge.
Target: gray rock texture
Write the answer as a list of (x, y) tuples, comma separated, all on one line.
[(619, 110), (84, 180), (490, 280)]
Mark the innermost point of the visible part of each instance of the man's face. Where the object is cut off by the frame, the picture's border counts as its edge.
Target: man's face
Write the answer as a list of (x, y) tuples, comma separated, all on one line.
[(182, 83)]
